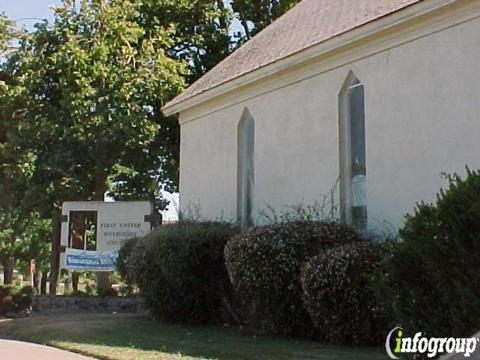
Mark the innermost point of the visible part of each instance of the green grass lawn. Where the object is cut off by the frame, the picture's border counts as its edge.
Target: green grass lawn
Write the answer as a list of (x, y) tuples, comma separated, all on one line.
[(123, 337)]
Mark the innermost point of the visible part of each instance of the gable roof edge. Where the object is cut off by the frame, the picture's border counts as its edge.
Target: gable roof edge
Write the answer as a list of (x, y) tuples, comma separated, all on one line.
[(362, 32)]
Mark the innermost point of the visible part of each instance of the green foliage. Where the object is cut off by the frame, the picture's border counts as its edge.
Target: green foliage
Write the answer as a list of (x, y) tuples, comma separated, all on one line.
[(80, 103), (8, 246), (441, 242), (11, 224), (265, 264), (85, 94), (180, 271), (27, 291), (15, 300), (35, 241), (6, 33), (339, 294), (199, 31), (77, 293), (24, 237), (123, 258), (110, 292)]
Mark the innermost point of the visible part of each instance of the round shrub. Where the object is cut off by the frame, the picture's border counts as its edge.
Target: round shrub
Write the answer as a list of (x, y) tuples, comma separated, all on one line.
[(339, 294), (180, 271), (265, 263), (123, 260), (431, 282)]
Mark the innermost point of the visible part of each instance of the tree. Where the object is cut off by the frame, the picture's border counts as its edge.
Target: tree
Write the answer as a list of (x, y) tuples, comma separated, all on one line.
[(7, 217), (6, 32), (80, 102), (85, 97), (202, 34), (256, 15), (24, 237), (6, 35), (85, 92), (7, 247), (200, 31), (35, 245)]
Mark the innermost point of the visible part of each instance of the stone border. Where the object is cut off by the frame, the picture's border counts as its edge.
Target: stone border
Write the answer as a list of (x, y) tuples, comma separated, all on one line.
[(87, 304)]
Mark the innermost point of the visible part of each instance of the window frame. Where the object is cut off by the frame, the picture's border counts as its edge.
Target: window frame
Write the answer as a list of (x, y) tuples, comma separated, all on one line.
[(345, 152), (245, 169)]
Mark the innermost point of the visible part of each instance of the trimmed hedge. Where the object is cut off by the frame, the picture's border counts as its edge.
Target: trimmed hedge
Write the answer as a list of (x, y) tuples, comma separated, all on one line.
[(432, 283), (339, 295), (264, 264), (180, 271)]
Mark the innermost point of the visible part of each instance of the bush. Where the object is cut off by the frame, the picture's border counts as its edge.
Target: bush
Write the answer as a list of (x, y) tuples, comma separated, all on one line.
[(339, 295), (122, 260), (78, 293), (265, 263), (110, 292), (432, 283), (15, 300), (180, 271), (8, 305)]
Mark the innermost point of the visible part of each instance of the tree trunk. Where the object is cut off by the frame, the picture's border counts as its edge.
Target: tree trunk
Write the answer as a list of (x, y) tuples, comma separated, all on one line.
[(100, 185), (68, 286), (8, 271), (245, 27), (36, 281), (223, 23), (75, 280), (103, 278), (43, 283), (55, 256)]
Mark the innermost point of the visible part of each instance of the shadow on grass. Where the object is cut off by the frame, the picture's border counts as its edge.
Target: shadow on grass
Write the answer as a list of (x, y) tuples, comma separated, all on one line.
[(126, 336)]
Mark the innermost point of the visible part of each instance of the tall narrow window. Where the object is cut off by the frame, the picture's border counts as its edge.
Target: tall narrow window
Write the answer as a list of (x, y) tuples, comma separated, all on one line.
[(245, 169), (353, 169)]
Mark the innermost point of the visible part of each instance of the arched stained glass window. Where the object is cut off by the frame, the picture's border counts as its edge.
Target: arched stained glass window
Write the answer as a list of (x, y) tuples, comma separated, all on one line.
[(245, 169), (353, 164)]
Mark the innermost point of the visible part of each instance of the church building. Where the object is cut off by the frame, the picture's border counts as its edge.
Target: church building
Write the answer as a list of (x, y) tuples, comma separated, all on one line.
[(372, 101)]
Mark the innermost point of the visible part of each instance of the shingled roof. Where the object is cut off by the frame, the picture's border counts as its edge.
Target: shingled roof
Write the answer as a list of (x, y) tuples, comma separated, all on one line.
[(309, 23)]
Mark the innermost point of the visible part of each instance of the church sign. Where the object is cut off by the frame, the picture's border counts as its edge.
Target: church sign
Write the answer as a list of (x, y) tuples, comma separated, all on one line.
[(90, 260), (93, 232)]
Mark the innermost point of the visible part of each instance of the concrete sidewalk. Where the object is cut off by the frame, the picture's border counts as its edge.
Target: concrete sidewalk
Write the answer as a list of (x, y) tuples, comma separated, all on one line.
[(17, 350)]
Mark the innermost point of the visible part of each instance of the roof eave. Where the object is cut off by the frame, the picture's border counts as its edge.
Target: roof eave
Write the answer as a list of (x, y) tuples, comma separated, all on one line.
[(337, 42)]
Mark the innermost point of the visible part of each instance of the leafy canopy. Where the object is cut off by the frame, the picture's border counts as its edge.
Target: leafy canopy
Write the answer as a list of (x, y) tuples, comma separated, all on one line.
[(200, 31), (85, 96), (6, 32)]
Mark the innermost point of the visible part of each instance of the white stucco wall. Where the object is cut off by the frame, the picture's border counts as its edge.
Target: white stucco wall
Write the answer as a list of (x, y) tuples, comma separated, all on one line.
[(422, 119)]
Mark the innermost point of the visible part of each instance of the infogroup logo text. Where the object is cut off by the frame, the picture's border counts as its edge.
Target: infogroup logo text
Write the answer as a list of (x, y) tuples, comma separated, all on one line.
[(430, 346)]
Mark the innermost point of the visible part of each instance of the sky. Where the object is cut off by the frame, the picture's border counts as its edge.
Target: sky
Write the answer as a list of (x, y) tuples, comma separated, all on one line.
[(27, 13), (23, 10)]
